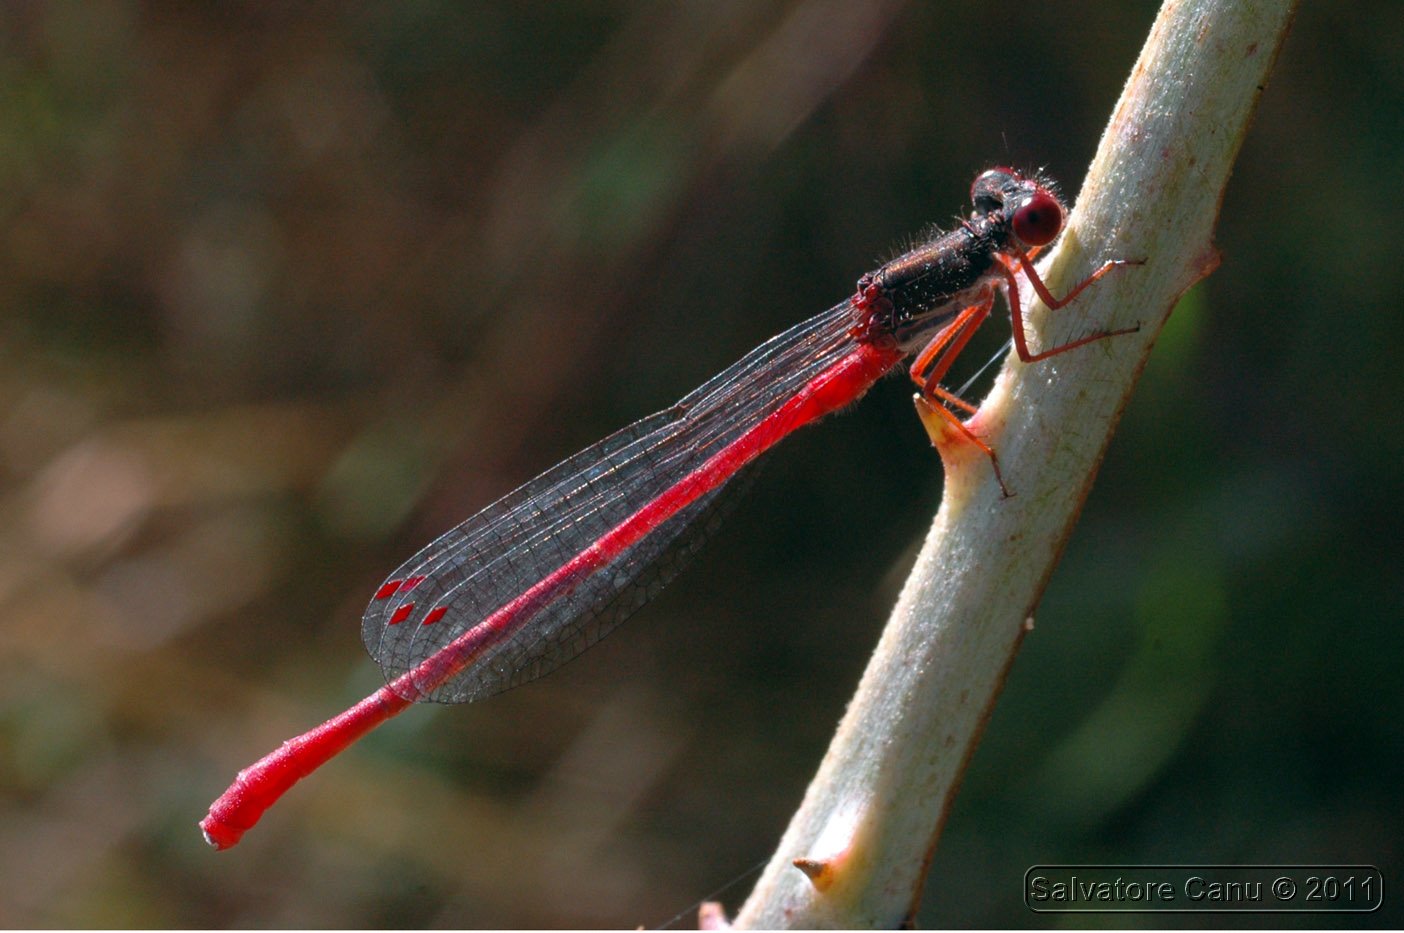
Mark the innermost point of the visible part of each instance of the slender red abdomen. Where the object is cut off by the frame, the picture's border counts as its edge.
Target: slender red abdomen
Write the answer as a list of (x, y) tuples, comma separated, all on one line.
[(257, 787)]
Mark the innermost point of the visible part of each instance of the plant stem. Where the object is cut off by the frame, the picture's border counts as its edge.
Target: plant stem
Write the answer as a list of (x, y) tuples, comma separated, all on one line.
[(871, 818)]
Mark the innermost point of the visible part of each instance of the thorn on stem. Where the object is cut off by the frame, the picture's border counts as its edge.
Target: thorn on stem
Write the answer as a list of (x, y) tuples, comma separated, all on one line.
[(820, 872), (952, 438)]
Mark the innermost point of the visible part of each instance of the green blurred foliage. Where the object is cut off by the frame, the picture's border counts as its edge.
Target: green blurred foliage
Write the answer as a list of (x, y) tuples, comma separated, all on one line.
[(288, 289)]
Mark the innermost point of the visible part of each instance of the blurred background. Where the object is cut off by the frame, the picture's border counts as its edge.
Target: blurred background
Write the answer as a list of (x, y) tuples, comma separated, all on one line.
[(289, 289)]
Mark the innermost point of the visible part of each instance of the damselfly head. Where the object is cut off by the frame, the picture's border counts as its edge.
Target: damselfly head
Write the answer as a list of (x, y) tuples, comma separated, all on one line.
[(1034, 212), (992, 186)]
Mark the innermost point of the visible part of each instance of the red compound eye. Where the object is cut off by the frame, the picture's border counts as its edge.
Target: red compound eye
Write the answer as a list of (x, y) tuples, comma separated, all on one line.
[(1038, 222)]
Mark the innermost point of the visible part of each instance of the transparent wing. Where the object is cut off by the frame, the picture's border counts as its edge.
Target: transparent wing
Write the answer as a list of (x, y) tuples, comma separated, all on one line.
[(486, 562)]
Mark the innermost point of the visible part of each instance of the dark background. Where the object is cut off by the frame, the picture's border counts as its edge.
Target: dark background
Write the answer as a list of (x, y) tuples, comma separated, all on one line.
[(287, 289)]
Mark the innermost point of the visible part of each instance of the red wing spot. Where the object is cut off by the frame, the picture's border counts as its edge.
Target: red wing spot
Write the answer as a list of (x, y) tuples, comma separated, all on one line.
[(411, 582), (387, 589), (402, 614), (435, 615)]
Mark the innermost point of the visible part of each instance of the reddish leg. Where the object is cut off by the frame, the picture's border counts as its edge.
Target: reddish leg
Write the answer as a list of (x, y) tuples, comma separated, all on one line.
[(935, 359), (950, 398), (1016, 312), (931, 366)]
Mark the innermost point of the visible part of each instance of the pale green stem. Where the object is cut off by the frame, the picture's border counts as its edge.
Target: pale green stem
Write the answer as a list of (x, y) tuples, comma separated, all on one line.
[(873, 814)]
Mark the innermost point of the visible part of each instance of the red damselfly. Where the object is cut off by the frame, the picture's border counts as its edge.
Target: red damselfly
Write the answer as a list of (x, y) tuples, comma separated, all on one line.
[(545, 572)]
